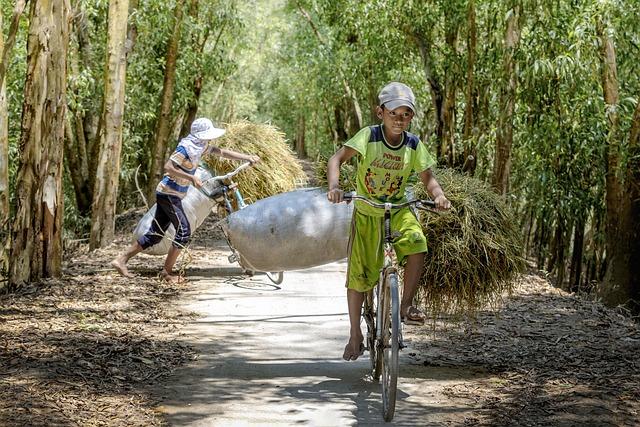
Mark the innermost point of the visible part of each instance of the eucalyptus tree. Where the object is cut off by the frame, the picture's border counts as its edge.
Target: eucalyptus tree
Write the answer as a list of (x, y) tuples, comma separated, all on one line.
[(163, 128), (36, 249), (85, 98), (110, 131), (4, 163), (619, 285), (6, 49), (469, 151), (504, 131)]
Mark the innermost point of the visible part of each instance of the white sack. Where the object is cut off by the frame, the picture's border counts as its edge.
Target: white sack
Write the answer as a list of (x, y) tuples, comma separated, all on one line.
[(197, 207), (290, 231)]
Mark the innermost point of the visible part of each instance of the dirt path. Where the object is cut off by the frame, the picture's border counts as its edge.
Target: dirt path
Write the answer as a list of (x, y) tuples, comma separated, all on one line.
[(95, 349), (271, 355)]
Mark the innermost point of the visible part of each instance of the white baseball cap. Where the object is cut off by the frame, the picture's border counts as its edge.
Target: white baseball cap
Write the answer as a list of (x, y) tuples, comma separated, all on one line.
[(395, 95), (203, 128)]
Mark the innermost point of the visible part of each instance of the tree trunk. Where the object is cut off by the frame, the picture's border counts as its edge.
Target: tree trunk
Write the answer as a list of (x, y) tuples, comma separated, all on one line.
[(192, 104), (541, 235), (75, 148), (576, 255), (81, 145), (504, 133), (340, 131), (200, 42), (469, 153), (87, 121), (300, 137), (163, 122), (560, 253), (632, 189), (619, 286), (448, 113), (4, 168), (36, 250), (75, 156), (105, 192), (436, 90)]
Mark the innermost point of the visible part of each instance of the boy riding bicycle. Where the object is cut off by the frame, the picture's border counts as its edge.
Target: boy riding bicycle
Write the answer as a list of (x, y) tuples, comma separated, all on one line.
[(387, 155)]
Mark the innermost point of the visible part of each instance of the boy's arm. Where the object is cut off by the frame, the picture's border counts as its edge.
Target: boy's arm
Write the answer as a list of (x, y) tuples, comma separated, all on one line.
[(175, 172), (333, 172), (234, 155), (434, 189)]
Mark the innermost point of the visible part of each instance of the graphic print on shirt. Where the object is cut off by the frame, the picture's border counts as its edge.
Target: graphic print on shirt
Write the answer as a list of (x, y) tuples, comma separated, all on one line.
[(390, 183)]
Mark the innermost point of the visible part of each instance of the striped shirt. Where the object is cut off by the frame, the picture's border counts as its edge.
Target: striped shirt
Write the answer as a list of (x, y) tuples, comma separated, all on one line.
[(186, 157)]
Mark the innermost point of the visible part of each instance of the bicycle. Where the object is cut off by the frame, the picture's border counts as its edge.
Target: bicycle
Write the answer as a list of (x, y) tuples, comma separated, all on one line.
[(221, 194), (382, 309)]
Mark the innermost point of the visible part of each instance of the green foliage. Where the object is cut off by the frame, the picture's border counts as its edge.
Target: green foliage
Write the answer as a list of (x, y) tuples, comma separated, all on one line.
[(288, 62), (14, 81)]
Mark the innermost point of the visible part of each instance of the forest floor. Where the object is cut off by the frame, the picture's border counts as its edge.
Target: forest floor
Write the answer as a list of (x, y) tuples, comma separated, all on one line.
[(95, 349)]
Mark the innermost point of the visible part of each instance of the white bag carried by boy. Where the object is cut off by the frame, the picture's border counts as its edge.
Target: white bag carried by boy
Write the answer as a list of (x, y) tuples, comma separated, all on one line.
[(290, 231), (197, 206)]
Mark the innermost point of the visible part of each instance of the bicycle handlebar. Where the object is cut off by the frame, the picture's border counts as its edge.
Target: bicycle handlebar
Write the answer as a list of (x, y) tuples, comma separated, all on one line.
[(229, 175), (423, 204)]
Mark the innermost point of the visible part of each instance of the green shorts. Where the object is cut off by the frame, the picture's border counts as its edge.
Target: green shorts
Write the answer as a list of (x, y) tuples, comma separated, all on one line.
[(365, 246)]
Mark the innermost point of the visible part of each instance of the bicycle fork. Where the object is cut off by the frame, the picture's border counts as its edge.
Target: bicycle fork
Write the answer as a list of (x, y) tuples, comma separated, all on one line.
[(387, 270)]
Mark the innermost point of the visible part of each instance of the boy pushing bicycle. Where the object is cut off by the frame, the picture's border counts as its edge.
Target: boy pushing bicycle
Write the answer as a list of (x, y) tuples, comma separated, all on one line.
[(387, 155)]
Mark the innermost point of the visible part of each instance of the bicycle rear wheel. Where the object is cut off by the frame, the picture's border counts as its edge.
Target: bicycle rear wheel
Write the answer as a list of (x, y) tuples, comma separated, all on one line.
[(390, 347)]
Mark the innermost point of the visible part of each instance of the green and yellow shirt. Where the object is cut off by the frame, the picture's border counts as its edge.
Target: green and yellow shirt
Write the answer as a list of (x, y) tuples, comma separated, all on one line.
[(383, 169)]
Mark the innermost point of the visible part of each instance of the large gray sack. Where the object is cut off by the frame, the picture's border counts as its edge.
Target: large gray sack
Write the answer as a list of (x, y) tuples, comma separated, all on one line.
[(290, 231), (197, 206)]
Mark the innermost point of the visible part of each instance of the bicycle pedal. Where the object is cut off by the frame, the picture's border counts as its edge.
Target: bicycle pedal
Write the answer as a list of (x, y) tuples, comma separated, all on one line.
[(233, 258)]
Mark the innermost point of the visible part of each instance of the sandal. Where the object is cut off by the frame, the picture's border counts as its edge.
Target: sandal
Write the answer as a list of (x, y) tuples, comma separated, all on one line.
[(414, 316), (170, 278)]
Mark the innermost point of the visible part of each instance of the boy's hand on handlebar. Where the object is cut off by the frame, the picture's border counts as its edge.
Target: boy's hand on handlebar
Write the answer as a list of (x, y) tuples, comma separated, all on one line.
[(196, 181), (442, 203), (335, 195)]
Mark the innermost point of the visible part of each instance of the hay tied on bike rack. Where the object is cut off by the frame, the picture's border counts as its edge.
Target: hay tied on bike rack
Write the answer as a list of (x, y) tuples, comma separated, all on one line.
[(279, 169), (475, 249)]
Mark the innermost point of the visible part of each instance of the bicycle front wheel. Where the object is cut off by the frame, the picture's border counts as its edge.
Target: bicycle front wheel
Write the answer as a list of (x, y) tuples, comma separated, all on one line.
[(391, 342)]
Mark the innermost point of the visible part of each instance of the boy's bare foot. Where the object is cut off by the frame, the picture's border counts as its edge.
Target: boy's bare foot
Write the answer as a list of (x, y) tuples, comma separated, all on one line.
[(353, 350), (121, 267)]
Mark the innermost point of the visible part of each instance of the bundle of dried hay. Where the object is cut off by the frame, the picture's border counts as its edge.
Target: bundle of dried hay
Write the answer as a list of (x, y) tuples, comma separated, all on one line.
[(347, 174), (475, 250), (279, 169)]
